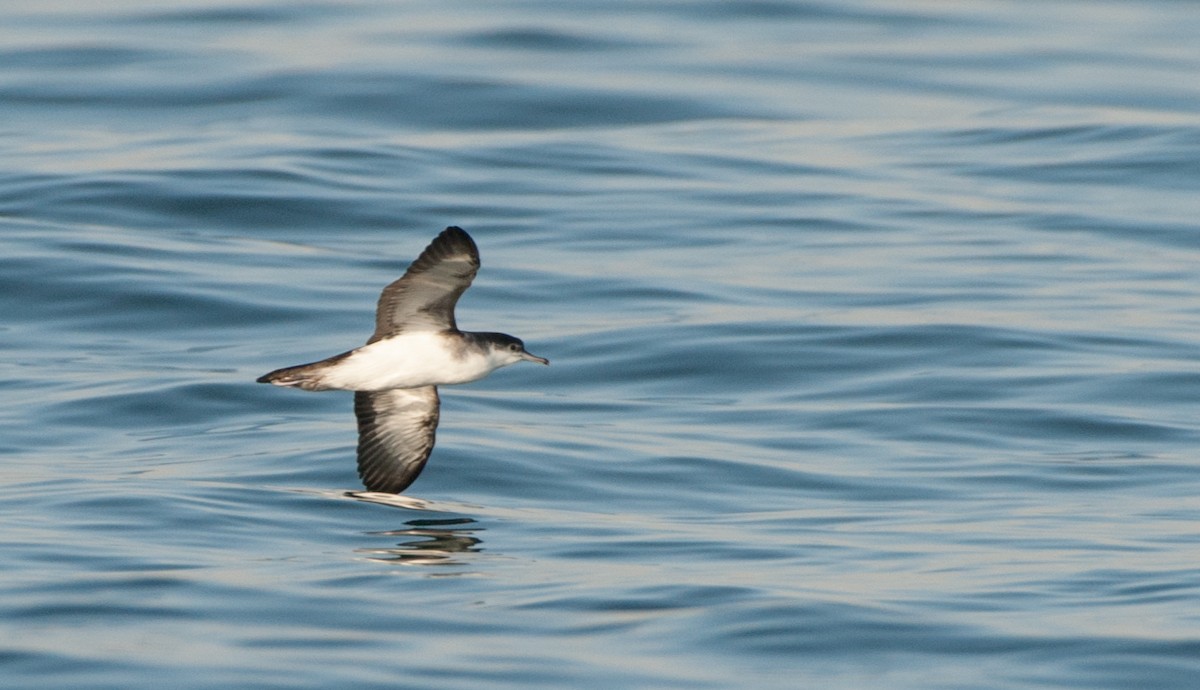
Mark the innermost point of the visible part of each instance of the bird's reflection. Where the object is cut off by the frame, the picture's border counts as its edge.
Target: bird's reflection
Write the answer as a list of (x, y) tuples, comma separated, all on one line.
[(427, 542), (422, 541)]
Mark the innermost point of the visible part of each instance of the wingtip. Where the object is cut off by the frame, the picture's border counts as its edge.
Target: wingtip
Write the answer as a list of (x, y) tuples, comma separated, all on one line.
[(453, 241), (457, 236)]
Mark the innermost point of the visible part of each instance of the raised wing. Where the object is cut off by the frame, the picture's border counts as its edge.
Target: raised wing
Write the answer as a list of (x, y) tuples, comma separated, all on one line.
[(424, 298), (395, 436)]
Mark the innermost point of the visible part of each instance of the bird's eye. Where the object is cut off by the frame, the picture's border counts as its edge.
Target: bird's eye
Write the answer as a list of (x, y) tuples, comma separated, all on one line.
[(514, 347)]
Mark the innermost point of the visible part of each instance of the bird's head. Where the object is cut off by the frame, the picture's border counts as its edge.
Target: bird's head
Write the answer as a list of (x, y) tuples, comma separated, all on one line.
[(507, 350)]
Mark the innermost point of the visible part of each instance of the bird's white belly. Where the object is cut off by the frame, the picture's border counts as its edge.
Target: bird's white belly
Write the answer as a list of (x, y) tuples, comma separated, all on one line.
[(406, 361)]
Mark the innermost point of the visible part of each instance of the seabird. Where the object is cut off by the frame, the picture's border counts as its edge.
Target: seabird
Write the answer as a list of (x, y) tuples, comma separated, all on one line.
[(416, 347)]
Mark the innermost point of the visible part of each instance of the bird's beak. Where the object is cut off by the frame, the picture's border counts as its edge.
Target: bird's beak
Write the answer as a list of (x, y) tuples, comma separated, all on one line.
[(534, 358)]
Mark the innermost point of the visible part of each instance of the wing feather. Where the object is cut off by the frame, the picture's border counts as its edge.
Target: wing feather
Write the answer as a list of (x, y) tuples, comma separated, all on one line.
[(425, 296), (395, 435)]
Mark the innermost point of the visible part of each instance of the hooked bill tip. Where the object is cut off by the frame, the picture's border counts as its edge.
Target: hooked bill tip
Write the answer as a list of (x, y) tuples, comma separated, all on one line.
[(534, 358)]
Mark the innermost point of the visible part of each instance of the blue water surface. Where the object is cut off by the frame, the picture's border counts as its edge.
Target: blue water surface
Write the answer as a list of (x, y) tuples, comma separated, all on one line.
[(875, 330)]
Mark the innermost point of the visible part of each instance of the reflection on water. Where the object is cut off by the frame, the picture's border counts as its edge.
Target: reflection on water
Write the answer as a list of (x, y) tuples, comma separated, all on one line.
[(388, 499), (427, 542)]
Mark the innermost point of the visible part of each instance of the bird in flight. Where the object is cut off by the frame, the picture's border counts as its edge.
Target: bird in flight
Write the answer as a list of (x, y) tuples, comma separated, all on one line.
[(416, 347)]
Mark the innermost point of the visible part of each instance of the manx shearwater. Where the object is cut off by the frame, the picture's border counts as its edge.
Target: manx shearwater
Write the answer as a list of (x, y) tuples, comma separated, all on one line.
[(416, 347)]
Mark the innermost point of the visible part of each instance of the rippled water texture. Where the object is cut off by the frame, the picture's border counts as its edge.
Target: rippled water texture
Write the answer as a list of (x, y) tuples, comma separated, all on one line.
[(874, 329)]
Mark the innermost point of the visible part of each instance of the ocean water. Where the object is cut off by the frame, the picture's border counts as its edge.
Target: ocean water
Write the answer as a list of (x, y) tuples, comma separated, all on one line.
[(874, 330)]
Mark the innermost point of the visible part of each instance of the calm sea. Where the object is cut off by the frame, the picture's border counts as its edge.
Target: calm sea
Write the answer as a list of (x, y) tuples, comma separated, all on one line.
[(875, 330)]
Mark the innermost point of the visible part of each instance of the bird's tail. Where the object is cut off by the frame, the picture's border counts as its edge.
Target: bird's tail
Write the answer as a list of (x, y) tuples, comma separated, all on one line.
[(305, 376), (310, 377)]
